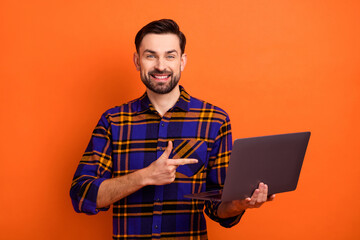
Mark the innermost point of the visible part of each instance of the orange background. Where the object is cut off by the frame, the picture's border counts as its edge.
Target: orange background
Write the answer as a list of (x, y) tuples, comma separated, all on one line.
[(275, 66)]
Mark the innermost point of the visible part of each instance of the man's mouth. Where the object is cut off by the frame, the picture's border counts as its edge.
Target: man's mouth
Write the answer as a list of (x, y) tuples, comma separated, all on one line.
[(160, 76)]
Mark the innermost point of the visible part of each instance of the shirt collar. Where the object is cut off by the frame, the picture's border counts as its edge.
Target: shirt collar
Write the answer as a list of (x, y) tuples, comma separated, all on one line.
[(182, 103)]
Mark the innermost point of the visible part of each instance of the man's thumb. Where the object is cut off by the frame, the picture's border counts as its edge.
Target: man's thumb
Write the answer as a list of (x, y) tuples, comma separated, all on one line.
[(168, 150)]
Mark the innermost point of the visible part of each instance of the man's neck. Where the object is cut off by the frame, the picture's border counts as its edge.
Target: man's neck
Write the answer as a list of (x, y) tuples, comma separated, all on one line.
[(163, 102)]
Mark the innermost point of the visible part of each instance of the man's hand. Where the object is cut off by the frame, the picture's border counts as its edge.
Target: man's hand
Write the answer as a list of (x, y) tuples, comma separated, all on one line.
[(160, 172), (236, 207), (163, 170)]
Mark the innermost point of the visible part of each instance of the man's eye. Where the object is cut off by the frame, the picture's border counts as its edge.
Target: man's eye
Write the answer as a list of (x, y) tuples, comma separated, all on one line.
[(170, 57), (150, 56)]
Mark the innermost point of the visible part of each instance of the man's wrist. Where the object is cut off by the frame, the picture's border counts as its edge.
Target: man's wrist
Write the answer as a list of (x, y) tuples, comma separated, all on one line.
[(143, 176), (228, 209)]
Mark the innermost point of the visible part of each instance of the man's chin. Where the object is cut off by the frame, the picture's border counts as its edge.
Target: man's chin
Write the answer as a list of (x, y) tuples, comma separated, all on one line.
[(160, 87), (164, 89)]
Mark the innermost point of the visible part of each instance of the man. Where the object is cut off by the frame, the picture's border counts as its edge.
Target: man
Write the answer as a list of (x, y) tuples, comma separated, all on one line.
[(145, 155)]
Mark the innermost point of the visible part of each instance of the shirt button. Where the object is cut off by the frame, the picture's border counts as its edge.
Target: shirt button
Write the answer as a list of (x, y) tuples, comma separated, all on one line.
[(162, 124), (157, 199), (156, 226), (161, 148)]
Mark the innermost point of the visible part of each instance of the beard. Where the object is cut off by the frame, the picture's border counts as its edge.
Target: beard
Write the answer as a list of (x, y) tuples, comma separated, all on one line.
[(160, 87)]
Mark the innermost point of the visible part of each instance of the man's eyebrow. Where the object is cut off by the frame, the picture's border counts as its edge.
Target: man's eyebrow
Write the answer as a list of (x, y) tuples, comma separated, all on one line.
[(171, 51), (153, 52), (149, 51)]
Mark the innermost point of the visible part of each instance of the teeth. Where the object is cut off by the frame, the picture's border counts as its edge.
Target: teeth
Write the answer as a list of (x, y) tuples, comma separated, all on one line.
[(161, 77)]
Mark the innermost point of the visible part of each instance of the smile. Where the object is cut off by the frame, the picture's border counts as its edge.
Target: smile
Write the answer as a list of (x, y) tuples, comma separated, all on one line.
[(160, 77)]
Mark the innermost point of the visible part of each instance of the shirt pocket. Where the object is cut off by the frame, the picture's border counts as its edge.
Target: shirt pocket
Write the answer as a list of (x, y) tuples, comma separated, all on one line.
[(190, 148)]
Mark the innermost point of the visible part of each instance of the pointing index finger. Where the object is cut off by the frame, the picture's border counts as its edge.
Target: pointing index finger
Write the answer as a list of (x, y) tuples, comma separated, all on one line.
[(183, 161)]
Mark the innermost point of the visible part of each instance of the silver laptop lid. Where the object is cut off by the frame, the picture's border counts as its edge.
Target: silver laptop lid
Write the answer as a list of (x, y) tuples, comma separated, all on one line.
[(275, 160)]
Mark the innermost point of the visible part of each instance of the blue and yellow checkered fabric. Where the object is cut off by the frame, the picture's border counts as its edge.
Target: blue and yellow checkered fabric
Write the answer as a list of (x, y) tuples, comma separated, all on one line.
[(131, 137)]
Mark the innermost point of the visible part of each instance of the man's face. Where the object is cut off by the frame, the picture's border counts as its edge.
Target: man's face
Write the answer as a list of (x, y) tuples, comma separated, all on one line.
[(160, 62)]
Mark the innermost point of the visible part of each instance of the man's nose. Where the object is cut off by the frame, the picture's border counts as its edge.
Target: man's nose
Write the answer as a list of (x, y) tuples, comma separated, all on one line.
[(160, 65)]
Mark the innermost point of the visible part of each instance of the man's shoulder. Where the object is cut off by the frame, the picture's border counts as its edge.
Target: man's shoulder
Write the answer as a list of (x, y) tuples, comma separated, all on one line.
[(197, 105), (125, 108)]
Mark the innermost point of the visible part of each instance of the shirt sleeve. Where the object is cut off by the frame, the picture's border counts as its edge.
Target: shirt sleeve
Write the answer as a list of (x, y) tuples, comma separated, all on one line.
[(95, 166), (218, 163)]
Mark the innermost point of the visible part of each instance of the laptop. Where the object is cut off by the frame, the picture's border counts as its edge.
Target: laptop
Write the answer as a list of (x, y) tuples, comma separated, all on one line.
[(275, 160)]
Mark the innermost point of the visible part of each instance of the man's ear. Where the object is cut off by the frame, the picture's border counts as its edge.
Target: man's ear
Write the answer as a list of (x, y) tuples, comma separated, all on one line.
[(136, 60), (183, 61)]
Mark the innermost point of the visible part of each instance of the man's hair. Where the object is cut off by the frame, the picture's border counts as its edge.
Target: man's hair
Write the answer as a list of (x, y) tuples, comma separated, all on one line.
[(161, 26)]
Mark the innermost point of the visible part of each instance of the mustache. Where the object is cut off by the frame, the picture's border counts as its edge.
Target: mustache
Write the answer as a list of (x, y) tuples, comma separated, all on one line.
[(160, 72)]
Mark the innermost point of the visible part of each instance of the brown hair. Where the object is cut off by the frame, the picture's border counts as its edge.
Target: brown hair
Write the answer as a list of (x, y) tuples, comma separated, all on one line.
[(161, 26)]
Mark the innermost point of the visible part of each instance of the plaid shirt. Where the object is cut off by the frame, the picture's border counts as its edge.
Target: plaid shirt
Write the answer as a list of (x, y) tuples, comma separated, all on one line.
[(131, 137)]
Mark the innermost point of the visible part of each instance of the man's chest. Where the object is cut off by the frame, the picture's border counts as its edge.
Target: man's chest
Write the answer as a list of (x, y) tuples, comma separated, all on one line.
[(139, 140)]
